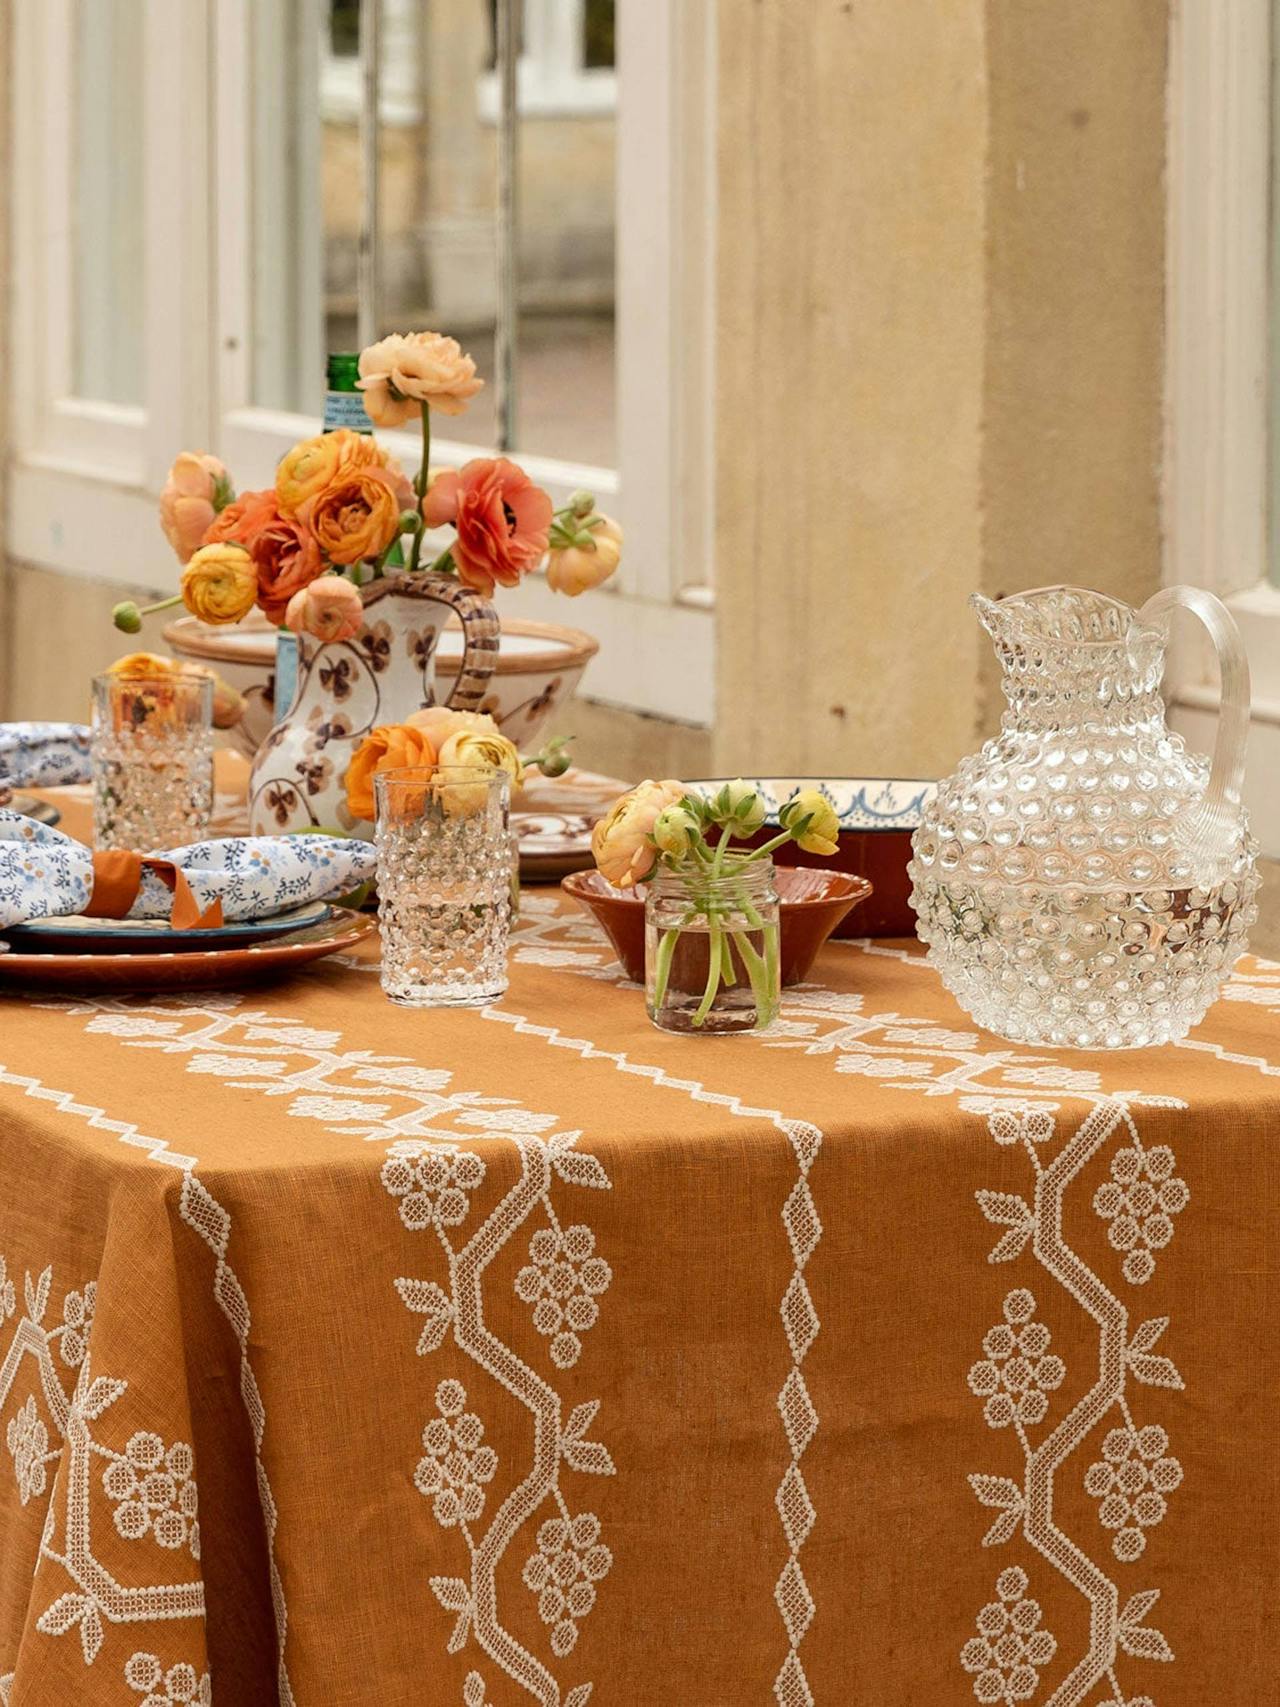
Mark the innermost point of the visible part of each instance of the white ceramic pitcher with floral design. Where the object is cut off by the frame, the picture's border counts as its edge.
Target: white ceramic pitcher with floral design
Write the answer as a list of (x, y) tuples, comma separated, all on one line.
[(346, 688)]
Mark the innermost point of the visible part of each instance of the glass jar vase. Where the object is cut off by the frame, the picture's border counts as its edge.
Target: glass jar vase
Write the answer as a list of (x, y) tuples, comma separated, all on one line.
[(711, 949)]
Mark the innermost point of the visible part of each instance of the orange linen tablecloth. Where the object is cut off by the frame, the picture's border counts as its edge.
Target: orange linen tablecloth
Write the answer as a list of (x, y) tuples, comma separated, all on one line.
[(355, 1355)]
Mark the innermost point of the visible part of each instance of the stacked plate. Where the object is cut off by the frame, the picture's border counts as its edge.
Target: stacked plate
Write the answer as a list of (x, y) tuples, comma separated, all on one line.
[(75, 952)]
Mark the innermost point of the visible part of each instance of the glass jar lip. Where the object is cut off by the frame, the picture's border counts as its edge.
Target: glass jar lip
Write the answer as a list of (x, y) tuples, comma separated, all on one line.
[(418, 774), (756, 876), (181, 681)]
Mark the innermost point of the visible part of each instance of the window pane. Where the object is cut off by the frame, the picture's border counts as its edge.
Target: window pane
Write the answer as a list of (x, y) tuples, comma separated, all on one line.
[(107, 363), (438, 140), (597, 33)]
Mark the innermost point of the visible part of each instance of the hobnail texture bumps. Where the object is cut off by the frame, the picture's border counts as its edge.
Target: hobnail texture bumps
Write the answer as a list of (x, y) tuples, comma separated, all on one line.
[(1055, 887), (444, 908), (151, 792)]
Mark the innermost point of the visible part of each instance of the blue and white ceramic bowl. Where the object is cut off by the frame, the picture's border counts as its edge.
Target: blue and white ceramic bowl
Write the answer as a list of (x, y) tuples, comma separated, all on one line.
[(877, 817)]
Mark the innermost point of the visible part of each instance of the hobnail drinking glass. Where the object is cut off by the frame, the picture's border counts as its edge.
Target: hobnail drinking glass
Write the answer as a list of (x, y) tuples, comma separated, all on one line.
[(1085, 880), (151, 760), (444, 885)]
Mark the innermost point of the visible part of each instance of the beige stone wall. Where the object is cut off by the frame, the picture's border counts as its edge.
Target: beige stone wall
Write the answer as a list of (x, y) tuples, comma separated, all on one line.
[(849, 362), (941, 265)]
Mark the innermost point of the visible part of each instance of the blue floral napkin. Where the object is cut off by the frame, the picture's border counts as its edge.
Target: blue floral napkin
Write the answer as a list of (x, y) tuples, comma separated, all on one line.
[(43, 755), (45, 874)]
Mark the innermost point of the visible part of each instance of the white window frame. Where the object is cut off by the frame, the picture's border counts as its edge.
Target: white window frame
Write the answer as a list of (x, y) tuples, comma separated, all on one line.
[(551, 79), (1217, 499), (85, 476)]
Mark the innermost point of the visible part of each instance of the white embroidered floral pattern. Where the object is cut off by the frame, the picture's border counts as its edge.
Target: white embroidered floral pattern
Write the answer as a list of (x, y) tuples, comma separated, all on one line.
[(1135, 1473), (1011, 1647), (180, 1686), (1018, 1371), (473, 1691), (458, 1466), (1131, 1481), (562, 1281), (154, 1492), (433, 1185), (1138, 1203), (28, 1441), (77, 1322), (569, 1562)]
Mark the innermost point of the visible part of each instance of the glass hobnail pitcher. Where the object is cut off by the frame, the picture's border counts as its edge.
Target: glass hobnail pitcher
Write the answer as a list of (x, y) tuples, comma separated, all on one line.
[(1084, 880)]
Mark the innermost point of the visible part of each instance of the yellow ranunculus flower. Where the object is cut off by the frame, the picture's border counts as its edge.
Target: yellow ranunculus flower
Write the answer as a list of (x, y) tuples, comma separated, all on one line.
[(821, 835), (315, 463), (575, 568), (481, 754), (220, 583)]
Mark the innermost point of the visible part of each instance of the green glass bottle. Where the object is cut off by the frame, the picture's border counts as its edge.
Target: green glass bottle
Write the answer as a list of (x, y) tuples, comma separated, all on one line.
[(343, 402)]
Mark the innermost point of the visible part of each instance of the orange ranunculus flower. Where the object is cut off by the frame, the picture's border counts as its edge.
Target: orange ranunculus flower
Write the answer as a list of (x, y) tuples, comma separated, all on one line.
[(503, 521), (330, 608), (392, 746), (143, 664), (287, 559), (356, 516), (220, 583), (242, 521), (400, 373), (621, 840), (315, 463), (197, 488)]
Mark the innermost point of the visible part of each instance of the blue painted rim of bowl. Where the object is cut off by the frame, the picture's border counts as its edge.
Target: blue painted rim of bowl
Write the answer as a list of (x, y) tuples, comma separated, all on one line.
[(865, 803)]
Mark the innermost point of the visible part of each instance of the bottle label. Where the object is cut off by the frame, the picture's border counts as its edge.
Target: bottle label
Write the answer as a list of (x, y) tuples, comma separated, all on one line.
[(346, 409)]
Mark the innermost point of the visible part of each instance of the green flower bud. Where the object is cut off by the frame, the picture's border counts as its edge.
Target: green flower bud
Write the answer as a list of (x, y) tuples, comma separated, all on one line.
[(582, 503), (554, 758), (739, 806), (127, 617), (409, 520), (675, 831)]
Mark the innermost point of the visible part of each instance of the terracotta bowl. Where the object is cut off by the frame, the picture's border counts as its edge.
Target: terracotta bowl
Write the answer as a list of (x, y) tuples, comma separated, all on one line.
[(813, 903), (539, 667), (877, 817)]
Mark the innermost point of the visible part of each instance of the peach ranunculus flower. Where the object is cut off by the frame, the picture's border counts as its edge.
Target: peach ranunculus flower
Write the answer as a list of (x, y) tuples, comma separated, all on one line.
[(577, 567), (329, 609), (220, 583), (243, 520), (440, 500), (197, 488), (356, 516), (438, 722), (312, 464), (287, 558), (621, 841), (401, 373), (392, 746), (503, 522)]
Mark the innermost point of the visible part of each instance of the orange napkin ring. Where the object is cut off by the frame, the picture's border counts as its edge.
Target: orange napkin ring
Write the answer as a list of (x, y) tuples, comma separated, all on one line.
[(117, 878)]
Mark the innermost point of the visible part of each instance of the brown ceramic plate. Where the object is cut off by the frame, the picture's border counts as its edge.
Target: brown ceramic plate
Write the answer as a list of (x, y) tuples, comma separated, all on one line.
[(812, 902), (202, 970), (552, 844)]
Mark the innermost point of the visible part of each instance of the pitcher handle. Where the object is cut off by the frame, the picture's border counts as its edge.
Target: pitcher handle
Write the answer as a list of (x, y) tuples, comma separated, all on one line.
[(480, 636), (1213, 821)]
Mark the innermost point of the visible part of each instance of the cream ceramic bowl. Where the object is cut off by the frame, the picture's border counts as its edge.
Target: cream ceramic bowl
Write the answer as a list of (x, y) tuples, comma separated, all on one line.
[(539, 667)]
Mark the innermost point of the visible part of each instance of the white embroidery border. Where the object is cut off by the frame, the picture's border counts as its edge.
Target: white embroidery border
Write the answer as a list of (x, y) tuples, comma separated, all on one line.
[(800, 1323), (207, 1218)]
